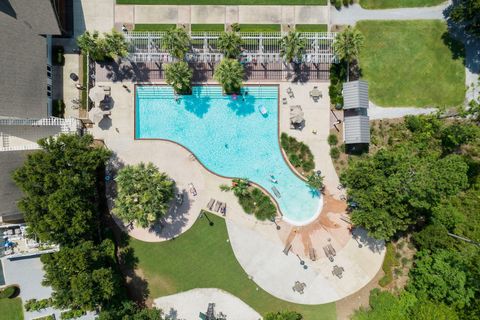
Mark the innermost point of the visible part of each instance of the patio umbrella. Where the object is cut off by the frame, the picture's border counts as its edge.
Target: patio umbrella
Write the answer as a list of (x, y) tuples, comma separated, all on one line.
[(296, 115), (97, 114), (96, 94)]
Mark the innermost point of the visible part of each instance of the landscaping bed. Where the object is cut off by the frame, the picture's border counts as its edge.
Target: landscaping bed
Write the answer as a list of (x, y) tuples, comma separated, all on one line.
[(385, 4), (202, 257), (311, 27), (207, 27), (298, 154), (408, 63)]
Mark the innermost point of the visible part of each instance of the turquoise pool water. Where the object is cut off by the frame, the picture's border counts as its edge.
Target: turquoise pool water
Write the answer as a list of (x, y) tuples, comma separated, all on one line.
[(230, 137)]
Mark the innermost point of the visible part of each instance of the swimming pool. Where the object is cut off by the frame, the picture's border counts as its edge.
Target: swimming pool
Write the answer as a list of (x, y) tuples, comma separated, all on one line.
[(230, 137)]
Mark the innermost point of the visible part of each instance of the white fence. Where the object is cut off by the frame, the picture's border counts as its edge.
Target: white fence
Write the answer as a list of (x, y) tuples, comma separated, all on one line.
[(256, 47)]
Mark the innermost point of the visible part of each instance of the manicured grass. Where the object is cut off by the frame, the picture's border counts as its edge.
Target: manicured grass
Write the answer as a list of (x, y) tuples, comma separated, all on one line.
[(384, 4), (11, 309), (203, 258), (207, 27), (226, 2), (407, 63), (153, 27), (311, 27), (260, 28)]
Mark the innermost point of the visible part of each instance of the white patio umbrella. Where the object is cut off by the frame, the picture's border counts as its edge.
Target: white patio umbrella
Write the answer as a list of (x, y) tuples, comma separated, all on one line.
[(296, 114), (96, 94), (97, 114)]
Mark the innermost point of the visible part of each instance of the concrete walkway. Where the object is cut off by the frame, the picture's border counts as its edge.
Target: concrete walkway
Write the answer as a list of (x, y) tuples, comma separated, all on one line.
[(376, 112), (132, 14), (187, 305), (355, 13)]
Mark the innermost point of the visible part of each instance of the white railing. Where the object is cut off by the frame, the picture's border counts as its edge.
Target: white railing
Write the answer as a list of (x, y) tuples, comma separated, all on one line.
[(256, 47)]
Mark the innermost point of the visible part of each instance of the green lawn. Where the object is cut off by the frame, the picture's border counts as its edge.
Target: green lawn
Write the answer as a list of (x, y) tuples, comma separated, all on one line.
[(225, 2), (384, 4), (260, 28), (11, 309), (407, 63), (311, 27), (202, 258), (153, 27), (207, 27)]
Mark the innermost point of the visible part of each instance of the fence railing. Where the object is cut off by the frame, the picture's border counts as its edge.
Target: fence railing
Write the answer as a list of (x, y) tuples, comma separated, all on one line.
[(256, 47)]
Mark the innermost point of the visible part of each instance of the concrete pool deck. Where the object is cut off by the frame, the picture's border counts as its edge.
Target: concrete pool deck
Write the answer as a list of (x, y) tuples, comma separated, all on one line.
[(248, 235)]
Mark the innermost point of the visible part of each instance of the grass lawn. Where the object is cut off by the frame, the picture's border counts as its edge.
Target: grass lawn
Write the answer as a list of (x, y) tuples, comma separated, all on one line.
[(225, 2), (207, 27), (384, 4), (311, 27), (153, 27), (202, 258), (11, 309), (260, 28), (407, 63)]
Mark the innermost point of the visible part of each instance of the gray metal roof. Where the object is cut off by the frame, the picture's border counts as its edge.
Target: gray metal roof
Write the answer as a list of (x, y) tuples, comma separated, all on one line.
[(23, 57), (356, 129), (355, 94), (9, 192)]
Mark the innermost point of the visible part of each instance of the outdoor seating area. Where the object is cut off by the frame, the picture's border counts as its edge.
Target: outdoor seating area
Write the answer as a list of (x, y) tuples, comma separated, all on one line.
[(217, 206), (297, 119), (316, 94), (299, 287), (329, 252), (338, 271)]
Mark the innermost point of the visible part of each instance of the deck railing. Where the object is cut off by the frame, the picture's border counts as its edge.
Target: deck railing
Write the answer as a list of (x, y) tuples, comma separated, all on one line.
[(256, 47)]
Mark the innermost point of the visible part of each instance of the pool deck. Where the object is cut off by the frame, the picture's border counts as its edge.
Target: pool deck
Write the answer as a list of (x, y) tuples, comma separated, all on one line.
[(247, 235)]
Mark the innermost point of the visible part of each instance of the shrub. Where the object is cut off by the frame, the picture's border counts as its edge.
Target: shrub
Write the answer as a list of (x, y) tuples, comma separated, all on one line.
[(298, 153), (388, 265), (37, 305), (257, 203), (58, 108), (72, 314), (345, 3), (332, 139), (335, 153), (404, 261), (9, 292)]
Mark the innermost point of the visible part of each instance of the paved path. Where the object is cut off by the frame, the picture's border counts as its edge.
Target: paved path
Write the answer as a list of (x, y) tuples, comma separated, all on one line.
[(131, 14), (187, 305), (375, 112), (355, 13)]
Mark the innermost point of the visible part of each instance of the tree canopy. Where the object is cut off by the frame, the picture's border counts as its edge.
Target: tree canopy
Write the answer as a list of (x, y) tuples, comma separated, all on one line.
[(283, 315), (179, 76), (144, 194), (466, 12), (292, 47), (59, 185), (177, 42), (229, 73), (110, 45), (229, 43)]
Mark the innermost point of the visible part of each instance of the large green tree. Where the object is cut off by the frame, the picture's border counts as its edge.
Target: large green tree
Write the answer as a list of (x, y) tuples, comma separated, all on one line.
[(110, 45), (177, 42), (292, 47), (144, 194), (59, 186), (82, 277), (229, 73), (229, 43), (347, 45), (128, 310), (466, 12), (179, 76)]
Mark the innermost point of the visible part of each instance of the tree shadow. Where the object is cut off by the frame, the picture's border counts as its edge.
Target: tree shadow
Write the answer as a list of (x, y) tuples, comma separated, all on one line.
[(196, 104), (242, 105), (125, 70), (365, 240)]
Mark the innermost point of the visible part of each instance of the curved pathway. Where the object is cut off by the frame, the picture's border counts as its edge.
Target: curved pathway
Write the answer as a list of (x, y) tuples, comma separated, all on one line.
[(188, 305), (355, 12)]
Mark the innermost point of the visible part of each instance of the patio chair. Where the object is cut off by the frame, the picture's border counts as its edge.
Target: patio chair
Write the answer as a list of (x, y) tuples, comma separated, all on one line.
[(210, 204), (290, 92), (223, 208), (312, 254), (287, 249), (218, 204), (192, 189), (284, 100)]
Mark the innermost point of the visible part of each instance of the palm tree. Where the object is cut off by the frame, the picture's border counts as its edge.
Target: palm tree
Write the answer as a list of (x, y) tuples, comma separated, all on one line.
[(115, 45), (91, 44), (230, 75), (179, 76), (240, 187), (347, 45), (177, 42), (229, 43), (315, 181), (292, 47)]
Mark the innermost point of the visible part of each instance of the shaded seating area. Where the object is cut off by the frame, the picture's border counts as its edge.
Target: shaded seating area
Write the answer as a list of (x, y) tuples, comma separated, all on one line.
[(315, 94), (297, 120)]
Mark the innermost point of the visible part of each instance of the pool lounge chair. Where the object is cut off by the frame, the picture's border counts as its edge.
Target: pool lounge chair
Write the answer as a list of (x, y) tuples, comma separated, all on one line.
[(210, 204), (287, 249), (327, 253), (276, 192), (218, 205), (284, 100), (192, 189), (223, 208), (312, 254), (331, 249)]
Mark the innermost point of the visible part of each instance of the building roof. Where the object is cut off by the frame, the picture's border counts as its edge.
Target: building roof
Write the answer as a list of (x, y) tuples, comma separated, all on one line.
[(10, 194), (357, 129), (355, 94), (23, 57)]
